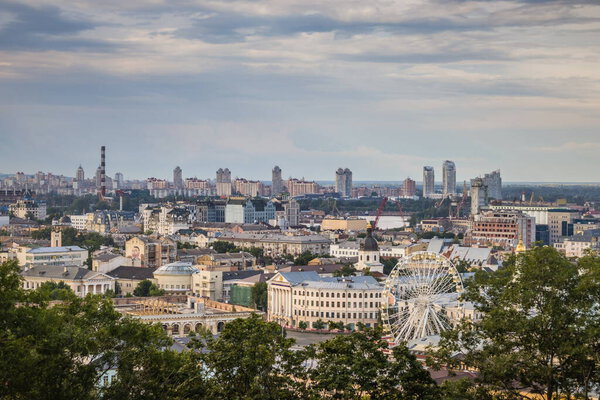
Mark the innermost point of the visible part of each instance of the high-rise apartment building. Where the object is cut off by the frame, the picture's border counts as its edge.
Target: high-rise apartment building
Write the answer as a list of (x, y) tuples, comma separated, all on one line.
[(493, 181), (449, 178), (343, 182), (119, 181), (428, 181), (223, 182), (409, 188), (560, 223), (478, 195), (177, 178), (299, 187), (276, 181), (80, 175), (98, 177), (248, 188)]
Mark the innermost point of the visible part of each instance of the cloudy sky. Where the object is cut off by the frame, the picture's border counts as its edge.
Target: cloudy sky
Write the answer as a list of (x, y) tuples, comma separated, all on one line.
[(381, 86)]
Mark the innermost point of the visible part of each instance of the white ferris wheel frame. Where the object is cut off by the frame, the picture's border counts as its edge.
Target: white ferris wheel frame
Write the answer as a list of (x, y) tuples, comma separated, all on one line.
[(412, 310)]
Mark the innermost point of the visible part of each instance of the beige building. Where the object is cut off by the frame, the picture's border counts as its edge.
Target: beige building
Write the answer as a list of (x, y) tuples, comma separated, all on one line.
[(176, 277), (128, 278), (227, 261), (208, 284), (341, 224), (28, 208), (558, 222), (81, 280), (296, 297), (58, 256), (299, 187), (151, 252), (279, 244)]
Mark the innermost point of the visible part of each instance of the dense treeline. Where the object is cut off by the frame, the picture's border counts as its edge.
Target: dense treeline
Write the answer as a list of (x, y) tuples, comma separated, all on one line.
[(539, 334)]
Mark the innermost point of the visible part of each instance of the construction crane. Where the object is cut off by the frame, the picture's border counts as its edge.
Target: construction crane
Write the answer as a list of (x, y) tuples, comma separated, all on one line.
[(531, 199), (379, 212)]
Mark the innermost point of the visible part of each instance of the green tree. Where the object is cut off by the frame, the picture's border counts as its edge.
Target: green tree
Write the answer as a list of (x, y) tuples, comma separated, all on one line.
[(70, 345), (388, 264), (304, 258), (302, 325), (55, 290), (147, 288), (356, 366), (539, 326), (319, 324), (259, 296), (346, 270), (251, 359), (221, 246)]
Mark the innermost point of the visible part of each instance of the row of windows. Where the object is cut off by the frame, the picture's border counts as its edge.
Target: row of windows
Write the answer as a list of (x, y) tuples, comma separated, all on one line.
[(174, 287), (332, 314), (333, 304), (343, 294)]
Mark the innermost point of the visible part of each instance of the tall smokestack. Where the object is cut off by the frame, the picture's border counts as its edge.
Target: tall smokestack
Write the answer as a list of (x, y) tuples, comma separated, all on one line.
[(102, 171)]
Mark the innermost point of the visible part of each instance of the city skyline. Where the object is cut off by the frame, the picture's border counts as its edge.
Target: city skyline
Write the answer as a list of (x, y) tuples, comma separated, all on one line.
[(382, 88)]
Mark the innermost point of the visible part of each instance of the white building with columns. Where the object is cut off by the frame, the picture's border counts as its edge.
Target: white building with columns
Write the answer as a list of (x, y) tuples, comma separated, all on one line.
[(81, 280), (296, 297)]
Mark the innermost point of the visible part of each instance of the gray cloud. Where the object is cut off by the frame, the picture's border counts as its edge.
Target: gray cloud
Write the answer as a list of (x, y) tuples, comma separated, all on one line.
[(43, 28)]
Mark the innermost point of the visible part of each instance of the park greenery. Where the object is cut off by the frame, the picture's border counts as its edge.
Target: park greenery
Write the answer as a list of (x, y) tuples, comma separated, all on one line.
[(539, 334), (540, 327), (147, 288)]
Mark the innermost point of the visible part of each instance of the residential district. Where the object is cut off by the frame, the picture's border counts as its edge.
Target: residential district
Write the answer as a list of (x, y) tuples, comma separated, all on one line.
[(292, 251)]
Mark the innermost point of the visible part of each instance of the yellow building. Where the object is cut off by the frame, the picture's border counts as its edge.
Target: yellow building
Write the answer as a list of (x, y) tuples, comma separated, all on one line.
[(340, 224)]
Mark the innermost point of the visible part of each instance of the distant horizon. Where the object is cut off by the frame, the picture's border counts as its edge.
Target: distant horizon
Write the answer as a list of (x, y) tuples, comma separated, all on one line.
[(363, 182)]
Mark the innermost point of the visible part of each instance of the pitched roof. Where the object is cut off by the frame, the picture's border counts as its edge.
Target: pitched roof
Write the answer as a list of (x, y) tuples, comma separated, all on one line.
[(60, 273), (62, 249), (125, 272)]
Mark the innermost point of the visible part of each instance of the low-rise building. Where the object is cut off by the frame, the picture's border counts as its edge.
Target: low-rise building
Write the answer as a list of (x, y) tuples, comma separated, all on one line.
[(296, 297), (176, 277), (127, 278), (578, 245), (344, 224), (57, 256), (29, 209), (227, 261), (279, 244), (151, 252), (81, 280), (501, 229)]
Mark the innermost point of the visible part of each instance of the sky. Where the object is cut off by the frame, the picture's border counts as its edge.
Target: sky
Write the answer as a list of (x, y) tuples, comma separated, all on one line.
[(382, 87)]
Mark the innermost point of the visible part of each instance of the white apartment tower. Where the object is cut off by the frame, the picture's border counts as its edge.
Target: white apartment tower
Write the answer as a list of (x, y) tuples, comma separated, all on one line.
[(449, 178), (428, 181)]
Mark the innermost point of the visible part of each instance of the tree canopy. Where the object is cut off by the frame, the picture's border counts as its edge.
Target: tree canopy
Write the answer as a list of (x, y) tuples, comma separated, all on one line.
[(539, 330)]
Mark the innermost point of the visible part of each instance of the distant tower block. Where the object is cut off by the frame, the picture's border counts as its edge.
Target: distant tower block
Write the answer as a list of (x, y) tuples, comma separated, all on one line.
[(478, 195), (103, 171), (276, 181), (56, 238)]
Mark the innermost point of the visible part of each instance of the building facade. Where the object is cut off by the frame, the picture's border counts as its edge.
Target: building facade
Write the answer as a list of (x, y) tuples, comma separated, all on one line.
[(296, 297), (479, 197), (151, 252), (81, 280), (493, 181), (428, 182), (449, 178), (276, 181), (501, 228), (343, 182)]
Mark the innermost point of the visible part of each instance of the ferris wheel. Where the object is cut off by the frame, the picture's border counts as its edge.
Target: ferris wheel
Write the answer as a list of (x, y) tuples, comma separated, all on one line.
[(417, 295)]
